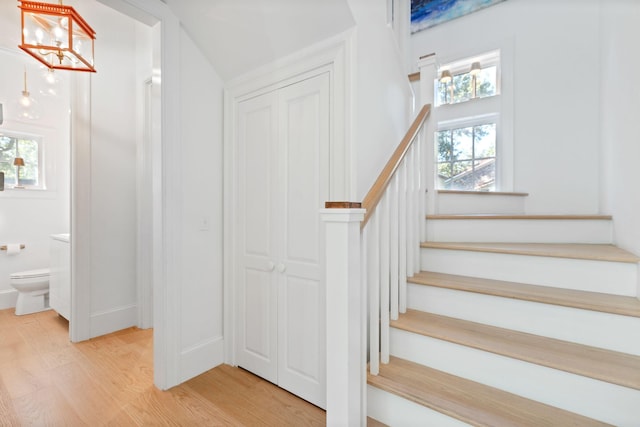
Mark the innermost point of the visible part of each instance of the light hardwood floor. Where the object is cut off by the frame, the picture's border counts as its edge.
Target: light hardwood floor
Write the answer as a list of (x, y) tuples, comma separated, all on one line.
[(47, 381)]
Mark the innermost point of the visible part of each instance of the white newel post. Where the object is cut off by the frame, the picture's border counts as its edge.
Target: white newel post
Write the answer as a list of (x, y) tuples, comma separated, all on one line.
[(428, 74), (346, 317)]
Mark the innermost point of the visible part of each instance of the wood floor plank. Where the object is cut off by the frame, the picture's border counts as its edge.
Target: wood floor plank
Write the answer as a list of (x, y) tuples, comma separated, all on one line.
[(615, 304), (605, 365), (8, 415), (46, 380), (596, 252), (470, 402), (45, 407), (93, 408)]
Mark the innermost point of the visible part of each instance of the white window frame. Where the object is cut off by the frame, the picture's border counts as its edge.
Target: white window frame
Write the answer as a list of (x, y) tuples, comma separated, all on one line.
[(496, 109)]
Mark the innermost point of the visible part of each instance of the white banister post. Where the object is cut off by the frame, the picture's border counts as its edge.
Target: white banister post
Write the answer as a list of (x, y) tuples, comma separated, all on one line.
[(346, 317), (428, 73)]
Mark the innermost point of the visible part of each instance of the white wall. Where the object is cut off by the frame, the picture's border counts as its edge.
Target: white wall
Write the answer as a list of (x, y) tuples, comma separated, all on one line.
[(556, 106), (31, 216), (201, 258), (620, 63), (382, 94), (113, 292)]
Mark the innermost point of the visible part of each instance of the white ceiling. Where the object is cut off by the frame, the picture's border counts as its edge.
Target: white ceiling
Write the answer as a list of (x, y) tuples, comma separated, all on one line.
[(240, 35), (236, 36)]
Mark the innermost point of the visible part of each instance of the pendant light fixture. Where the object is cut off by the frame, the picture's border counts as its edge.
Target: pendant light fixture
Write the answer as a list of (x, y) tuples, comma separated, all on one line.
[(27, 105), (57, 36)]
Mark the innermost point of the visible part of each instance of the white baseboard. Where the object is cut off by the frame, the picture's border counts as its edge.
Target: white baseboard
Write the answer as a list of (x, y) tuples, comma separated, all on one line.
[(8, 298), (201, 357), (105, 322)]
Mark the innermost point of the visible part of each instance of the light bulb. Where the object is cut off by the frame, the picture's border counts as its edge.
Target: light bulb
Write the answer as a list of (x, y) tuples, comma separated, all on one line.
[(25, 100), (39, 35), (57, 32), (50, 77)]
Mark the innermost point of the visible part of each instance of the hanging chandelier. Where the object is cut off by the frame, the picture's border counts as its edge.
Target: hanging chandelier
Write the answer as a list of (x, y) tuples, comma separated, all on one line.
[(57, 36)]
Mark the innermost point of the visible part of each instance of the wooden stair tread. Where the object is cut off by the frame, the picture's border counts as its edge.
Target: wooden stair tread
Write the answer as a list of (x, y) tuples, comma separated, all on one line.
[(484, 193), (550, 217), (597, 252), (468, 401), (606, 303), (597, 363)]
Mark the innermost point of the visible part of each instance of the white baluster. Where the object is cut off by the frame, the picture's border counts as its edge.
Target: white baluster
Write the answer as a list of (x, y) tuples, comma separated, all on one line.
[(364, 279), (393, 247), (422, 141), (402, 239), (383, 211), (416, 208), (373, 242), (410, 212)]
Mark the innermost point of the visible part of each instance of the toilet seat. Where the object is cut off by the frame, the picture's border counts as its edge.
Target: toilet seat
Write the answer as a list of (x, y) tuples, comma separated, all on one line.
[(30, 274)]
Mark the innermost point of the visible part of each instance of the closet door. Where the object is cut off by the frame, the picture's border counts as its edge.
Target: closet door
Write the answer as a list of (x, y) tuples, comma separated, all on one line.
[(283, 176), (257, 237), (303, 137)]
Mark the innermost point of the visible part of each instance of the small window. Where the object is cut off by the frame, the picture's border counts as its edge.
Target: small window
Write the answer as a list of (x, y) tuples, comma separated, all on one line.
[(466, 86), (27, 148), (469, 78), (467, 158)]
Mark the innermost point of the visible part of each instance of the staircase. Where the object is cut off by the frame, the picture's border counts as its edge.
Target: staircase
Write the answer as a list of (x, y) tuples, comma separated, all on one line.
[(515, 320)]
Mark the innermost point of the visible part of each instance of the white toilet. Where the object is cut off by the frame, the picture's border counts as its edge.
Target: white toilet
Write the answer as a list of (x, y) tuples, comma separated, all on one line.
[(33, 290)]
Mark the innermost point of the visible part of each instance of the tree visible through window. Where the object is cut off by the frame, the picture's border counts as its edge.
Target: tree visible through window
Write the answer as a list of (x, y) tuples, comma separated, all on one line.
[(26, 147), (467, 158)]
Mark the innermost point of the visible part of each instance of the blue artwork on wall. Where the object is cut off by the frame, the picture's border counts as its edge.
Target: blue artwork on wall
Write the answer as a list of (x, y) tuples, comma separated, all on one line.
[(427, 13)]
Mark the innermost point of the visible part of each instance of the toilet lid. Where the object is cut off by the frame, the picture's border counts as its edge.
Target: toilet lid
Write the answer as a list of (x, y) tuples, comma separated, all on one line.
[(30, 274)]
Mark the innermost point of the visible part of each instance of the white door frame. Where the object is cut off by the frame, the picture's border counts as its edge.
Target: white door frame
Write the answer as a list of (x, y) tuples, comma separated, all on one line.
[(166, 215), (335, 56)]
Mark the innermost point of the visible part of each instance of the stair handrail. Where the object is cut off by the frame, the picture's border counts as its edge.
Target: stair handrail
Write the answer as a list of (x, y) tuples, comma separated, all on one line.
[(371, 200)]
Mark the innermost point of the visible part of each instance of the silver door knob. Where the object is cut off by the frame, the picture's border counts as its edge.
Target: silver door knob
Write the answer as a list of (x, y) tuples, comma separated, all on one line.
[(282, 268), (271, 265)]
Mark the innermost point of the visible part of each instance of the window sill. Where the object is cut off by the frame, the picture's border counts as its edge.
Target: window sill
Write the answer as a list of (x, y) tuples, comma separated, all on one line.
[(28, 193)]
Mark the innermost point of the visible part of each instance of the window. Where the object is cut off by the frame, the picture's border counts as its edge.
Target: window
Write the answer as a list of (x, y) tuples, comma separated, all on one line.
[(27, 147), (467, 136), (467, 158), (469, 85)]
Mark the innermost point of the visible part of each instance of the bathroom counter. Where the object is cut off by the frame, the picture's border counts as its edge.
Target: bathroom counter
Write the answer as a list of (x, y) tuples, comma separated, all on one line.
[(65, 237), (60, 277)]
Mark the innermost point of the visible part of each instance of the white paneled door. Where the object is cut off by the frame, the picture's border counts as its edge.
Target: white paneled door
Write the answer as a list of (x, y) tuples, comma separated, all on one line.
[(283, 181)]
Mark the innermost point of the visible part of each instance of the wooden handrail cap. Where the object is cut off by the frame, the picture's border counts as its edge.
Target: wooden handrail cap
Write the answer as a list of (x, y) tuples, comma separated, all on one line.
[(342, 205)]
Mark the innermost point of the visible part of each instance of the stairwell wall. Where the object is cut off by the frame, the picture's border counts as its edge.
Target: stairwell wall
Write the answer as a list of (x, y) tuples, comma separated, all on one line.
[(620, 110), (381, 92), (556, 101)]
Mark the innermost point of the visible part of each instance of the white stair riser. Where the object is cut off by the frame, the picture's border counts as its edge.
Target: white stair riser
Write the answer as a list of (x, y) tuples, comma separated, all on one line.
[(396, 411), (461, 204), (586, 327), (519, 231), (592, 328), (596, 276), (592, 398)]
